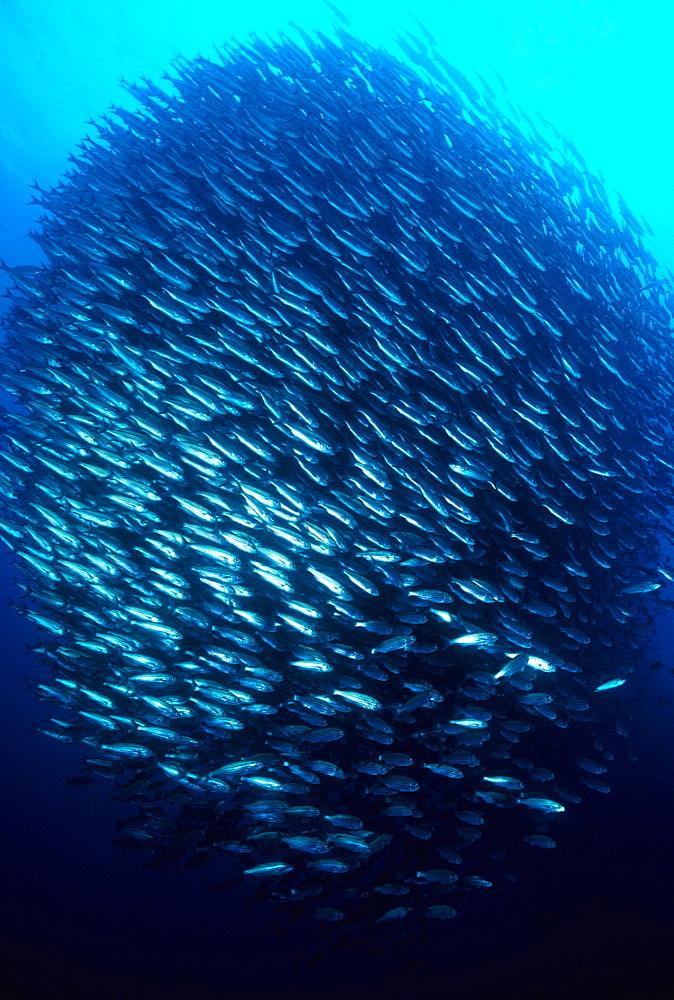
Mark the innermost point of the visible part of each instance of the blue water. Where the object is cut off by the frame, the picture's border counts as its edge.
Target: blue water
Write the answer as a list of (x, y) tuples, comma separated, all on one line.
[(80, 919)]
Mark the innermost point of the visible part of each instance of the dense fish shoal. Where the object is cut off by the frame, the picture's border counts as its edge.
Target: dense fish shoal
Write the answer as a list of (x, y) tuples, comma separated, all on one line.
[(339, 461)]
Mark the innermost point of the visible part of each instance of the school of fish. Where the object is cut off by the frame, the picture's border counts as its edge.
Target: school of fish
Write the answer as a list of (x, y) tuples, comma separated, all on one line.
[(336, 471)]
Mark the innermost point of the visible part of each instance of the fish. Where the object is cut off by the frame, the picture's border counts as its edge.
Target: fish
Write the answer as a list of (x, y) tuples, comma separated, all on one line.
[(613, 683), (327, 340)]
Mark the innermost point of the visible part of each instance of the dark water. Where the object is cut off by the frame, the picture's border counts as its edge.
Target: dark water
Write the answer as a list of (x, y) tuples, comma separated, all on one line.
[(591, 919)]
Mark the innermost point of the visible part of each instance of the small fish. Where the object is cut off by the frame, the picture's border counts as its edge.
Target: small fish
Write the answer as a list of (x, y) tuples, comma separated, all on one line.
[(542, 805), (608, 685), (475, 639), (641, 587)]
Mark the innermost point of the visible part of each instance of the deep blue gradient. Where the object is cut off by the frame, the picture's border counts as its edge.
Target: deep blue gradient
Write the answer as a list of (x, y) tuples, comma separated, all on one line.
[(82, 920)]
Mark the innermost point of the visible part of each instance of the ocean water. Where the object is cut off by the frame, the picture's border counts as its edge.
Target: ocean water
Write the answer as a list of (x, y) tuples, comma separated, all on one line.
[(84, 918)]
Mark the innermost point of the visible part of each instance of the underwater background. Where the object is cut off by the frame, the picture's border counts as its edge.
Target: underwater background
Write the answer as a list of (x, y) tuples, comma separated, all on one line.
[(84, 919)]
